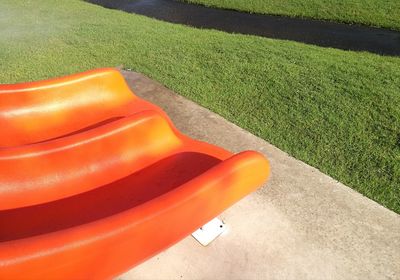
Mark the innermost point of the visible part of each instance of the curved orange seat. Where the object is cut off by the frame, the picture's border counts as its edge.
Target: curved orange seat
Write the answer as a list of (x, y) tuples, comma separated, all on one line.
[(98, 196), (38, 111)]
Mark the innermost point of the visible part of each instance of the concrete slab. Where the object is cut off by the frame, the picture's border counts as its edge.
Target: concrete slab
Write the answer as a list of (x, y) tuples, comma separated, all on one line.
[(301, 225)]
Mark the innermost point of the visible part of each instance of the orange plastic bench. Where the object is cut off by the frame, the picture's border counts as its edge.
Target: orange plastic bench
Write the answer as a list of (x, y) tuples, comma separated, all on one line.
[(94, 180)]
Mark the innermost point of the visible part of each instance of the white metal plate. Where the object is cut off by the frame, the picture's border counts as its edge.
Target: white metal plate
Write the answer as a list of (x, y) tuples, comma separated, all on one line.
[(210, 231)]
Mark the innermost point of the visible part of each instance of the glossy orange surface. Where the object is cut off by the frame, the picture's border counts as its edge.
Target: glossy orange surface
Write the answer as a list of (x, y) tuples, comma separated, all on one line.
[(94, 180)]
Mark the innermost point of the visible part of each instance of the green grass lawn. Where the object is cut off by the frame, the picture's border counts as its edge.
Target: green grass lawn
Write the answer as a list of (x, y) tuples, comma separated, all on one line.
[(380, 13), (336, 110)]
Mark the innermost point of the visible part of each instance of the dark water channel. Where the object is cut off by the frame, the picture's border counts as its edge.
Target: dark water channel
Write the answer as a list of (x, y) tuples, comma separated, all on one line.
[(321, 33)]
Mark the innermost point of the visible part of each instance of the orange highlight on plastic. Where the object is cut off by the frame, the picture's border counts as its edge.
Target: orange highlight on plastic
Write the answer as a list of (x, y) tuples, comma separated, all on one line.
[(94, 180)]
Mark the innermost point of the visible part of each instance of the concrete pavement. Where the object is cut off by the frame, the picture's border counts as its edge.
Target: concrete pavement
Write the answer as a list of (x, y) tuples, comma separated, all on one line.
[(301, 225)]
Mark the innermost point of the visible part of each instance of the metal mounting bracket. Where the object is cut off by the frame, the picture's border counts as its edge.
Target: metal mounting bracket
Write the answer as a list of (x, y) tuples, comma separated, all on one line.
[(209, 232)]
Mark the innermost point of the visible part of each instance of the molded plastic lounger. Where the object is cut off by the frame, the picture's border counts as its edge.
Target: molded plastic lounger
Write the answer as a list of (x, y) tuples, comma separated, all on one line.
[(107, 189), (38, 111)]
